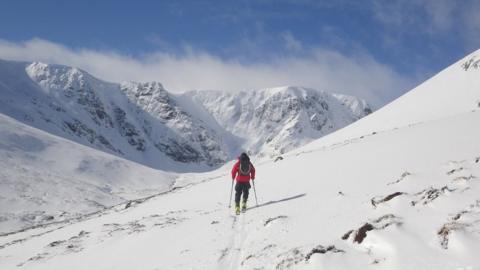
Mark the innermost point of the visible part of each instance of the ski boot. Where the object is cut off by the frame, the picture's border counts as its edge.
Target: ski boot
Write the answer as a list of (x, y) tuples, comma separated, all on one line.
[(244, 206), (237, 209)]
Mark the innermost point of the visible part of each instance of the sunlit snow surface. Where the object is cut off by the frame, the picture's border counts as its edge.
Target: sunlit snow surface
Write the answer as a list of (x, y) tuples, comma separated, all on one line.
[(402, 194)]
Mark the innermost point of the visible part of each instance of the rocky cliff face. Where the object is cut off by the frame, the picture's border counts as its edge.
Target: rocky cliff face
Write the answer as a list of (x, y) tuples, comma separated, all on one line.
[(273, 121), (179, 135), (138, 121), (145, 123)]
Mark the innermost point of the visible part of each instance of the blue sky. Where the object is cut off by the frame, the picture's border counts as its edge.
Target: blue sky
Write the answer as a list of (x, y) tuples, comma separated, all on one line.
[(220, 44)]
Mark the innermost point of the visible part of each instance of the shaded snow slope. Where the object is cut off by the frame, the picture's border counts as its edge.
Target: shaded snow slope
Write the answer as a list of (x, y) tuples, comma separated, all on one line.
[(403, 199), (276, 120), (44, 178), (137, 121)]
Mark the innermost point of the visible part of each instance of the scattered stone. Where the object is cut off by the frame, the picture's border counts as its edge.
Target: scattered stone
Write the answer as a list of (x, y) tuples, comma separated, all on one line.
[(247, 258), (445, 231), (377, 261), (128, 204), (34, 258), (133, 203), (214, 222), (269, 247), (376, 201), (402, 177), (430, 194), (464, 178), (278, 158), (83, 233), (341, 193), (362, 232), (322, 250), (459, 215), (292, 257), (272, 219), (454, 171), (56, 243), (467, 220), (347, 235), (377, 224), (259, 254), (471, 63), (223, 253)]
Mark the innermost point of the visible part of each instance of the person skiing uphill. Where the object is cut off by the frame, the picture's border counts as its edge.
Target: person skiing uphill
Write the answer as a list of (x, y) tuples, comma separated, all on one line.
[(242, 171)]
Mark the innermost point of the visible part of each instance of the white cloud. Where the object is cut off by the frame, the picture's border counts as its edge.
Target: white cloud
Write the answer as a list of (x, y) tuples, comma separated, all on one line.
[(440, 13), (428, 16), (359, 74), (432, 17), (471, 25), (291, 43)]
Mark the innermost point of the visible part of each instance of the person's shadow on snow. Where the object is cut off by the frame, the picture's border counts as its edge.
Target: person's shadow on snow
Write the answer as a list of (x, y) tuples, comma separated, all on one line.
[(279, 201)]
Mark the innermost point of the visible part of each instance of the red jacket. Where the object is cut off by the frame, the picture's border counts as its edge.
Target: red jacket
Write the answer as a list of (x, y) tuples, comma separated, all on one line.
[(240, 177)]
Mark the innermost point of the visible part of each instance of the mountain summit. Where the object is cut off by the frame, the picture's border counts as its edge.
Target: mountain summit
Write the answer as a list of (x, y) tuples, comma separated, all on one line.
[(146, 124), (276, 120)]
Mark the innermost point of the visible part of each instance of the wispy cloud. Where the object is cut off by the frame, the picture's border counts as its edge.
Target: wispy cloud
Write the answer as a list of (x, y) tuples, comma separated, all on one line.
[(428, 16), (358, 74), (457, 19), (291, 43), (472, 24)]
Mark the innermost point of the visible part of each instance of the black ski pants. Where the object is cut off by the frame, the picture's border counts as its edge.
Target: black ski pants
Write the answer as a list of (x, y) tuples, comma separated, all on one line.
[(240, 188)]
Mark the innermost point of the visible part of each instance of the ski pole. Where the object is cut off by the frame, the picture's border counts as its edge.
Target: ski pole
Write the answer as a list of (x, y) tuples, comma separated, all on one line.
[(230, 201), (255, 192)]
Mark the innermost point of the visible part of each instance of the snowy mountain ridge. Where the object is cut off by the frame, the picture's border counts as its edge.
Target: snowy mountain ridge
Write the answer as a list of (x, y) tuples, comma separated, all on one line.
[(144, 123), (399, 194), (277, 120), (73, 104)]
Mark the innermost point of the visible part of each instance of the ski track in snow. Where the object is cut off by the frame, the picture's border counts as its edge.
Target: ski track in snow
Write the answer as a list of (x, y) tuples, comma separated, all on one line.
[(237, 238)]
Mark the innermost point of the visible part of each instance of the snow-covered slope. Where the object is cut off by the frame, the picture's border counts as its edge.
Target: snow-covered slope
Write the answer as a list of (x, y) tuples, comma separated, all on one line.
[(403, 198), (276, 120), (454, 90), (144, 123), (44, 178), (136, 121)]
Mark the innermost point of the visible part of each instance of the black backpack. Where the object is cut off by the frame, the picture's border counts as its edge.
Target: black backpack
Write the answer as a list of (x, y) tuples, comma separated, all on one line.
[(244, 167)]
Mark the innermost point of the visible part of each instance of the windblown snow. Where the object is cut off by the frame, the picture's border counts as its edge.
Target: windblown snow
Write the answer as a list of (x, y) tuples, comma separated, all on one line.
[(398, 189)]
